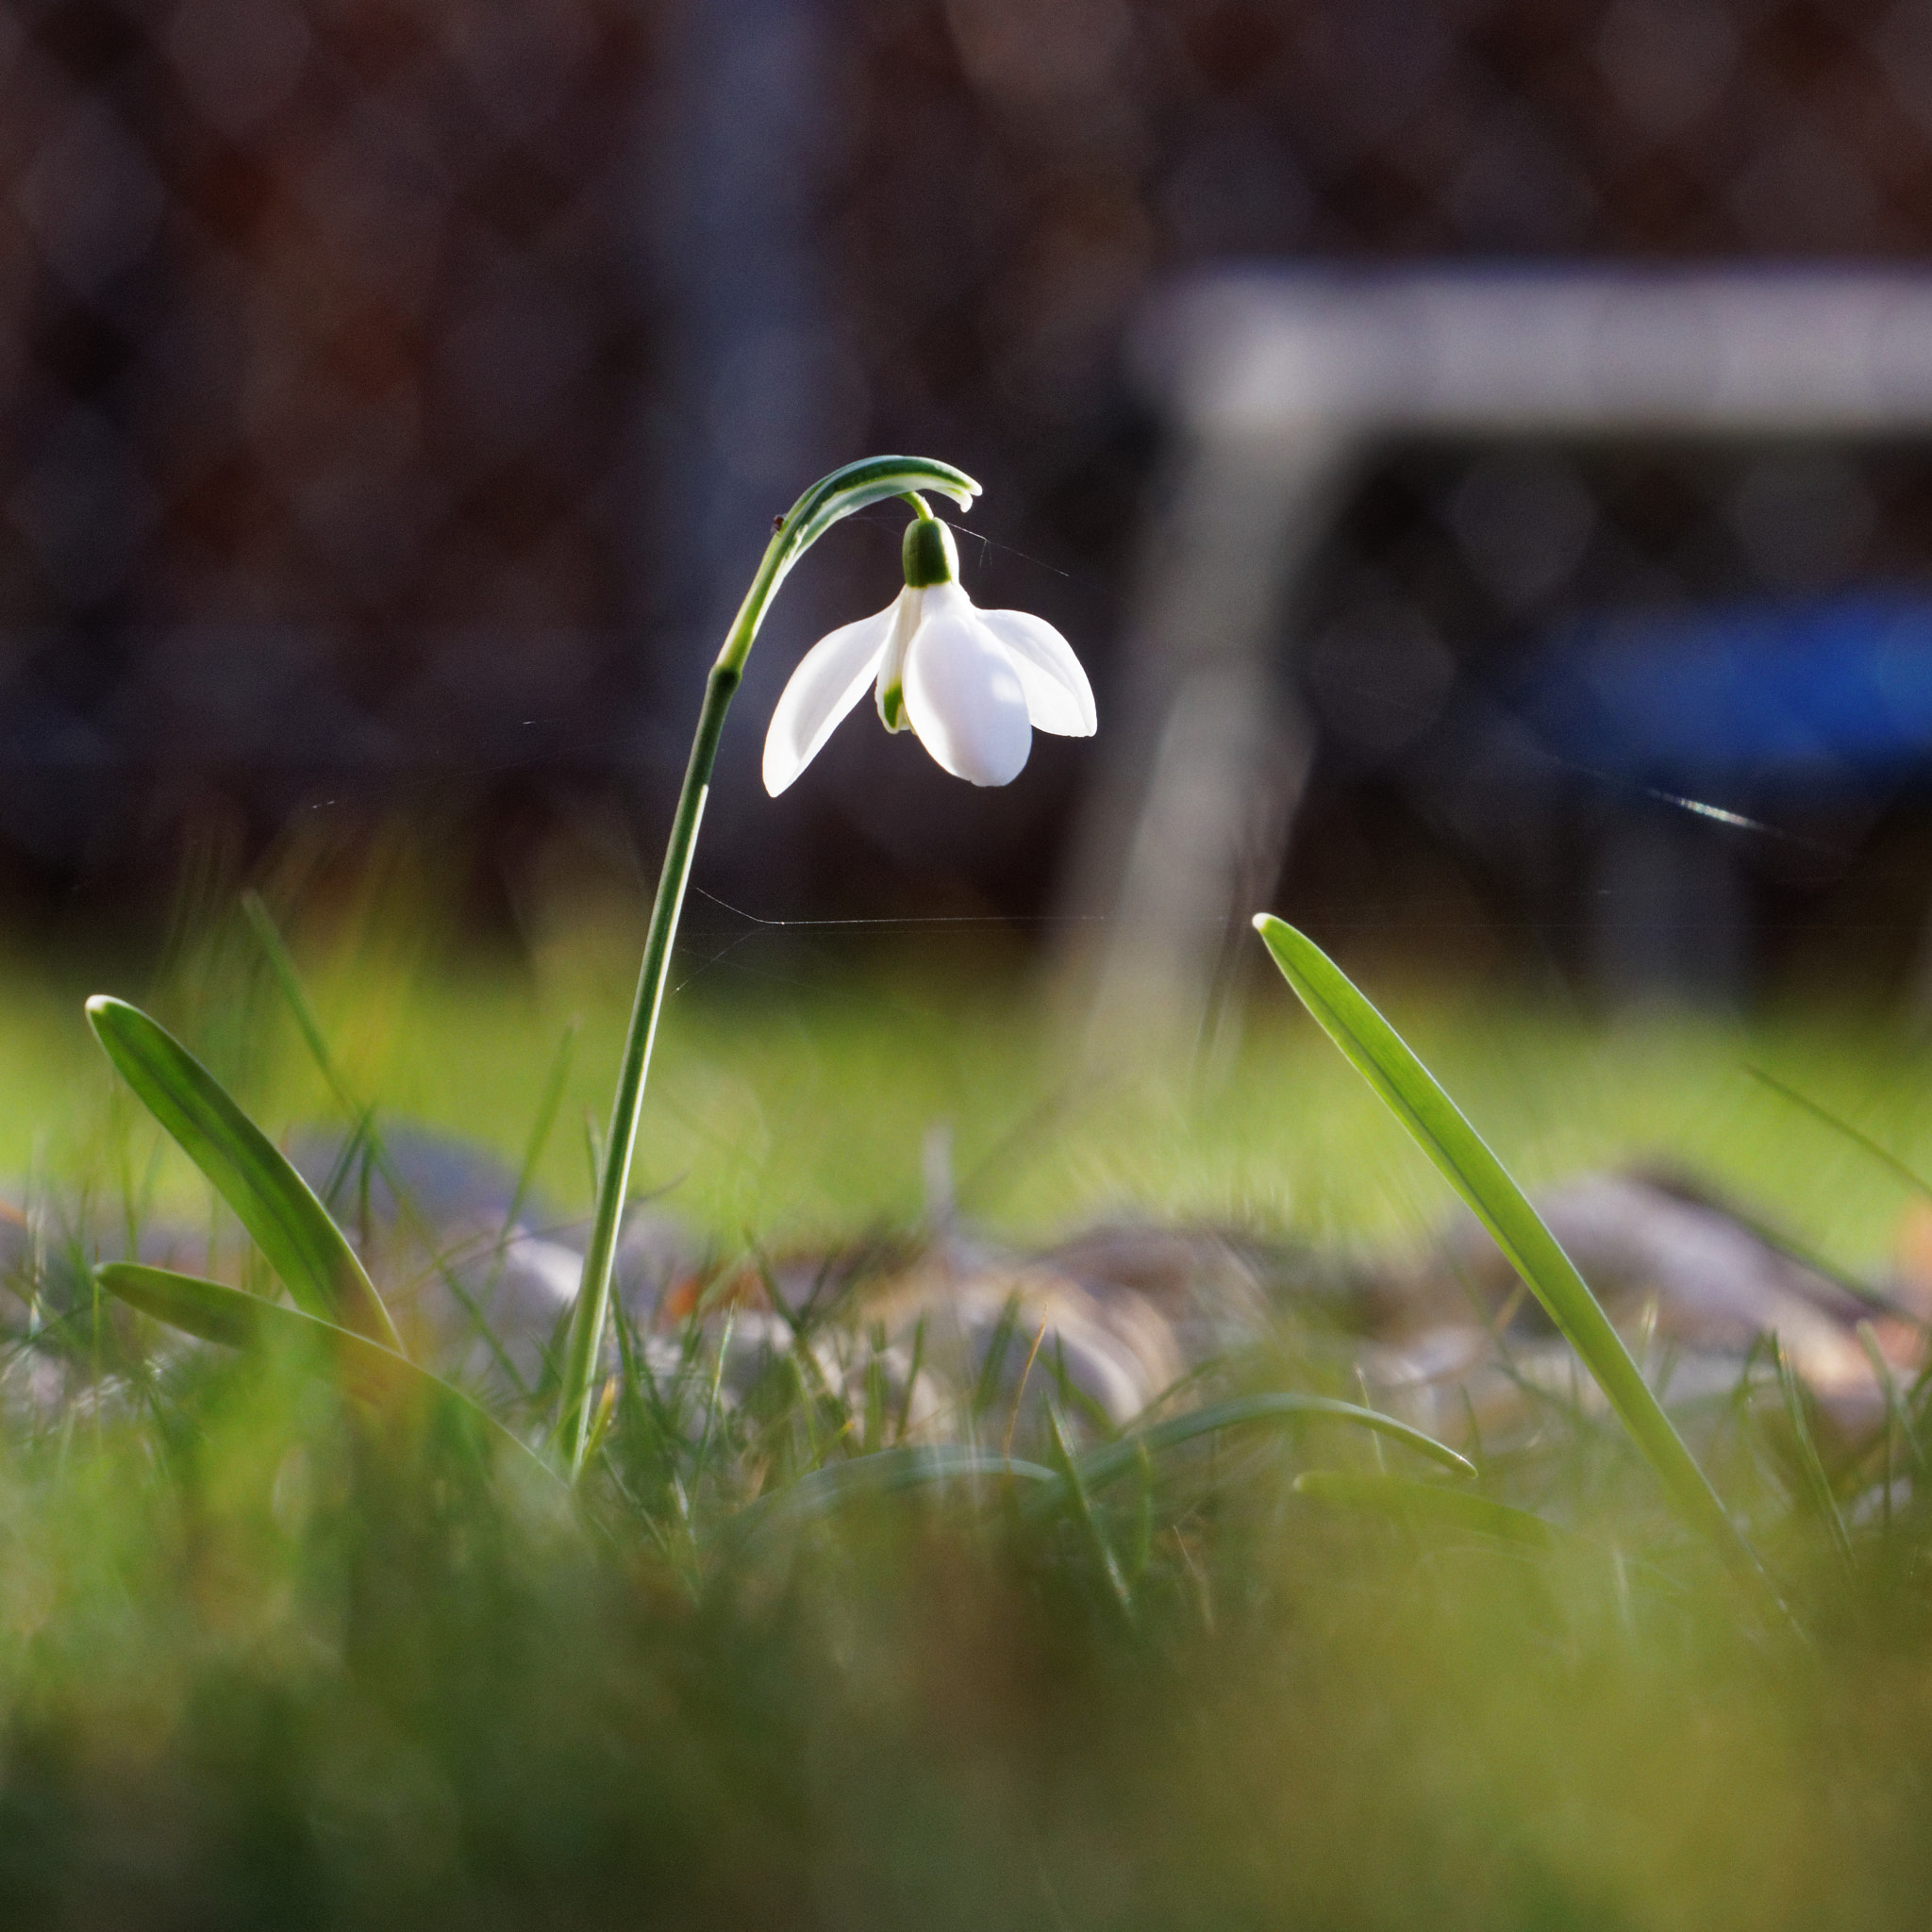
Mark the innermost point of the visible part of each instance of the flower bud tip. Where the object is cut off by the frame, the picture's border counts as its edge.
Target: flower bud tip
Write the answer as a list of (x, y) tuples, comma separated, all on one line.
[(929, 554)]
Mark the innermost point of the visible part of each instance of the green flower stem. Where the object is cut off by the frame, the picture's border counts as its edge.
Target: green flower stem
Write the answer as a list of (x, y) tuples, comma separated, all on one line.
[(831, 498)]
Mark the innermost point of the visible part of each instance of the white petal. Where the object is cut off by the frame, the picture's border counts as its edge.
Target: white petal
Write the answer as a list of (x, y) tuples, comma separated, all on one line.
[(947, 600), (1059, 698), (963, 696), (906, 613), (829, 682)]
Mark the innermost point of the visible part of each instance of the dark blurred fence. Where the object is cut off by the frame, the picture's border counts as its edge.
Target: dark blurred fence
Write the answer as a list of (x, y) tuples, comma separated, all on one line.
[(397, 392), (327, 343)]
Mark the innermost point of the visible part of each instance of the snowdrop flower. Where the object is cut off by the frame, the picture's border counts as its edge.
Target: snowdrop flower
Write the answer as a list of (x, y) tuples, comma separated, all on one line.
[(974, 684)]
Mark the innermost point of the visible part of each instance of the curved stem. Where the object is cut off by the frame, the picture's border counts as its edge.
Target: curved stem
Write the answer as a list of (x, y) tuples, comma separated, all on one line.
[(832, 497), (593, 1294)]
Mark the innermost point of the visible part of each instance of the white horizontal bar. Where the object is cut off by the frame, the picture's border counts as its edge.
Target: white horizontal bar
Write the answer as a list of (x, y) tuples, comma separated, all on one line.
[(1570, 348)]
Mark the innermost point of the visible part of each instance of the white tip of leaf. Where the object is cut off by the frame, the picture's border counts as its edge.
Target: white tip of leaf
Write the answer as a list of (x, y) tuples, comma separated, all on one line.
[(829, 682), (964, 697)]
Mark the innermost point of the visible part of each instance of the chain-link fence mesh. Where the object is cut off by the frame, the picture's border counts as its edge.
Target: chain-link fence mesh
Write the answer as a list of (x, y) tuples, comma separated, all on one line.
[(395, 394)]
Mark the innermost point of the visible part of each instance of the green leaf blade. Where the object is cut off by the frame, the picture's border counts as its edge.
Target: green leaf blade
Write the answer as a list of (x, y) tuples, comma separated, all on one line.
[(1245, 1410), (1278, 1410), (208, 1310), (212, 1311), (1436, 1124), (273, 1202)]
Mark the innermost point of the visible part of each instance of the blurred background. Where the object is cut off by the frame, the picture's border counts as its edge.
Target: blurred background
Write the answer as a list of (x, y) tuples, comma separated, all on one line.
[(397, 393)]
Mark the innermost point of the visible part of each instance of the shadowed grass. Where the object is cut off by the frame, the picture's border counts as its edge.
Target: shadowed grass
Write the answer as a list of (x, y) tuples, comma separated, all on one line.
[(259, 1668)]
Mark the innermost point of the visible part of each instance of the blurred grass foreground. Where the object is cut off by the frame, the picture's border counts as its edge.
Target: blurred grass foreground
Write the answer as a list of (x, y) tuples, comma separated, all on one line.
[(268, 1659)]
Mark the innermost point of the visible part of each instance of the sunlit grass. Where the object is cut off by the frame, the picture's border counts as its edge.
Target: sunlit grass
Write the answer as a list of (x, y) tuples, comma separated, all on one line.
[(796, 1104)]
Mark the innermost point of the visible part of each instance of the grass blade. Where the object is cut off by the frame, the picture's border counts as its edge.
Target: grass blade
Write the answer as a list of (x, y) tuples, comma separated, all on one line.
[(1811, 1471), (1112, 1460), (1895, 1416), (366, 1135), (887, 1473), (1856, 1135), (893, 1470), (1413, 1095), (538, 1138), (1436, 1503), (233, 1318), (1074, 1491), (273, 1203)]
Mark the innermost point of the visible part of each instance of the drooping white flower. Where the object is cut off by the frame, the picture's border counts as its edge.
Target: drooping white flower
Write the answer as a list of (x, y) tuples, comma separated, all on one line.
[(974, 684)]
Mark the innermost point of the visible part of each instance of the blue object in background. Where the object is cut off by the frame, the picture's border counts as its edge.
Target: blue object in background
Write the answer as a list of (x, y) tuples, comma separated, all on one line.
[(1810, 693)]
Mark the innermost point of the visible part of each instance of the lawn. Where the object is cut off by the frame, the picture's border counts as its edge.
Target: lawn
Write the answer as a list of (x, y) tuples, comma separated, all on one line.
[(793, 1090), (271, 1658)]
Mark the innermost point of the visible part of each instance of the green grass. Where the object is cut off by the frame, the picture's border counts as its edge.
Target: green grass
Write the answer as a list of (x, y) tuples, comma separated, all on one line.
[(801, 1111), (264, 1665), (269, 1657)]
